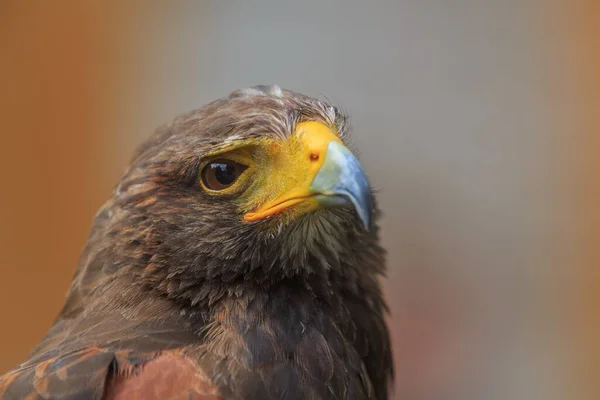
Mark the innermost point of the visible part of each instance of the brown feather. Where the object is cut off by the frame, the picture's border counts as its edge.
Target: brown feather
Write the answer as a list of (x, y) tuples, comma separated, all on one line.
[(167, 377), (175, 296)]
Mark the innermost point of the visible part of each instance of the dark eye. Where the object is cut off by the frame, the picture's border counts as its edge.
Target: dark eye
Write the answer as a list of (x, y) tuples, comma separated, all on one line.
[(220, 174)]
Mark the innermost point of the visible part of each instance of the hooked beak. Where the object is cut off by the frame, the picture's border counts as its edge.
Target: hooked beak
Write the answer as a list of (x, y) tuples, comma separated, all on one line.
[(342, 181), (321, 172)]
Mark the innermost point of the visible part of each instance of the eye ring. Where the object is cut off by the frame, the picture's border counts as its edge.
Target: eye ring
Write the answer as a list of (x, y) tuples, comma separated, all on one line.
[(221, 174)]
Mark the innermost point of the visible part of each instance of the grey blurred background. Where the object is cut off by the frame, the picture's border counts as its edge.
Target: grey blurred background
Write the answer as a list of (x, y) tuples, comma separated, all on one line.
[(476, 120)]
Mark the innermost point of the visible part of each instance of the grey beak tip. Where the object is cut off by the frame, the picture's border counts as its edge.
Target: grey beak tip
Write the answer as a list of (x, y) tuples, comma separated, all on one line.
[(342, 174), (363, 209)]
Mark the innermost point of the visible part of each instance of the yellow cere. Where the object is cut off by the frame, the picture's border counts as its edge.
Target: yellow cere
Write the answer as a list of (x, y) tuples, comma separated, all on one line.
[(279, 173), (292, 171)]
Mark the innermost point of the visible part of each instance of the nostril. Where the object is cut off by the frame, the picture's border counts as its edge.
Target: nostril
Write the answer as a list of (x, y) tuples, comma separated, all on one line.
[(314, 157)]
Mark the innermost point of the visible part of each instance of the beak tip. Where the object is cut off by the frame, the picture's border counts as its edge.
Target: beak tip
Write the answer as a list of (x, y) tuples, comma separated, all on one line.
[(342, 174), (366, 223), (363, 209)]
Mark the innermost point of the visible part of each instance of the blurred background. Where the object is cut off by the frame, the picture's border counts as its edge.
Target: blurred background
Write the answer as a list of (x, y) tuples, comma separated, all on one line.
[(477, 119)]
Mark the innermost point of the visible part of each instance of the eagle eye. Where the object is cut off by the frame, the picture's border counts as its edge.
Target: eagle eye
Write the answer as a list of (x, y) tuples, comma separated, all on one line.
[(221, 174)]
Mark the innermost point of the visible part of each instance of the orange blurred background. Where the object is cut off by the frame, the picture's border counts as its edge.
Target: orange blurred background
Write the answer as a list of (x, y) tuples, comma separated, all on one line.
[(479, 122)]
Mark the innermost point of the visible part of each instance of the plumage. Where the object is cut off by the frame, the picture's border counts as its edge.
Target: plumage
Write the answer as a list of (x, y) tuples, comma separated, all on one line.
[(187, 290)]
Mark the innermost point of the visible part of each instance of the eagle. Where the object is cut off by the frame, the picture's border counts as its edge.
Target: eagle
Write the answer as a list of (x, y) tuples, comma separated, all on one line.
[(238, 258)]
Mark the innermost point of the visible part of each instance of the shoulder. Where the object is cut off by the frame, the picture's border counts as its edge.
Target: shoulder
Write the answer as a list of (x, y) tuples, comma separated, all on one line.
[(99, 373)]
